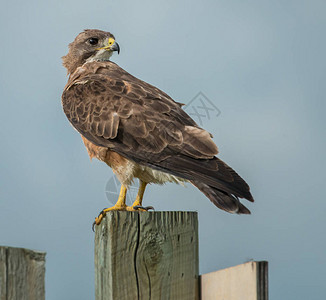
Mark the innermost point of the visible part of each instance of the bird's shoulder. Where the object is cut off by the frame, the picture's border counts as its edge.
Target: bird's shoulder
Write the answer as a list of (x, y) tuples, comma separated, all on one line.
[(106, 84), (117, 80), (105, 103)]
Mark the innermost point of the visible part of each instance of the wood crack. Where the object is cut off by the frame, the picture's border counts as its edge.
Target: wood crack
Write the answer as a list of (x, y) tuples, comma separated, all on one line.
[(135, 256), (7, 273)]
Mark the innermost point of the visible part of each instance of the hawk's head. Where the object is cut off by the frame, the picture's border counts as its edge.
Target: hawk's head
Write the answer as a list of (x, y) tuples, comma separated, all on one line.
[(90, 45)]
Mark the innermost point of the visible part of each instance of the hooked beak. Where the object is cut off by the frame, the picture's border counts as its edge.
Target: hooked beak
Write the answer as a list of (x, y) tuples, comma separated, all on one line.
[(115, 47), (112, 46)]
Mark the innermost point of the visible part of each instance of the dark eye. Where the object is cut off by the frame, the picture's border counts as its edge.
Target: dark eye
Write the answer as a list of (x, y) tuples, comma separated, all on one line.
[(93, 41)]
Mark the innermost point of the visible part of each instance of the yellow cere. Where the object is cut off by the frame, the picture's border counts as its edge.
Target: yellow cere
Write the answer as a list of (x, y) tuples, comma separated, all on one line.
[(111, 41), (108, 47)]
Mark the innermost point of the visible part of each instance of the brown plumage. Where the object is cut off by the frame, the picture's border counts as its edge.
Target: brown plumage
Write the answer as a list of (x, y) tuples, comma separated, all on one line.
[(138, 130)]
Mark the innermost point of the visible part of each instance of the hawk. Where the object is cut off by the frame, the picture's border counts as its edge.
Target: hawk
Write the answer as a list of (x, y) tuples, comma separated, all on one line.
[(140, 131)]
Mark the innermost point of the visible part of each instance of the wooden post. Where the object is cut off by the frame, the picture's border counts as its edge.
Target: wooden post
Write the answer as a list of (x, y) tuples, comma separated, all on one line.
[(147, 255), (22, 273), (248, 281)]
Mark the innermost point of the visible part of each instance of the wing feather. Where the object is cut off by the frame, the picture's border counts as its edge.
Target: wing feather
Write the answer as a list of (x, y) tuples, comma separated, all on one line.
[(113, 109)]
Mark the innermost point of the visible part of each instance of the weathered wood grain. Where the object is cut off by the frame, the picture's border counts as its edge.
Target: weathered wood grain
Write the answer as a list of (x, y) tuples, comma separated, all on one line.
[(22, 274), (147, 255), (248, 281), (116, 242)]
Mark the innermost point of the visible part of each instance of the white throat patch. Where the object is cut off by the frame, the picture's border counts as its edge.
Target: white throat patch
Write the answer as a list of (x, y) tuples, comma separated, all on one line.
[(100, 55)]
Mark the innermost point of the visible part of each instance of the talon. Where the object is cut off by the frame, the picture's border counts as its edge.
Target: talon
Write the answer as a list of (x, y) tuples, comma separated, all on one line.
[(99, 219), (149, 207), (139, 207)]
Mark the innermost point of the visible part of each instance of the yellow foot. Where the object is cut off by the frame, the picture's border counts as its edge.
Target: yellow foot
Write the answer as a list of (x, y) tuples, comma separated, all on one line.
[(102, 214)]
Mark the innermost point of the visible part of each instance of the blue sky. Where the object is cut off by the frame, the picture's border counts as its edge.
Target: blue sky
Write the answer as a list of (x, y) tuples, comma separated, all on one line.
[(262, 64)]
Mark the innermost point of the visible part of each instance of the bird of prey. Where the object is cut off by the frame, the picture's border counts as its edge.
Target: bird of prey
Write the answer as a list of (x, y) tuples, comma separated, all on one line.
[(140, 131)]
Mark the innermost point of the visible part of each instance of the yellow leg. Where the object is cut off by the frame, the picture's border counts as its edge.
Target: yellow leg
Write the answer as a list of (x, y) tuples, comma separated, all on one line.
[(120, 205), (139, 198)]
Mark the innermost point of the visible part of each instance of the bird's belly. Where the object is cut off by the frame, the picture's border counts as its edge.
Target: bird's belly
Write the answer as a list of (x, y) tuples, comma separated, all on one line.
[(150, 175), (126, 170)]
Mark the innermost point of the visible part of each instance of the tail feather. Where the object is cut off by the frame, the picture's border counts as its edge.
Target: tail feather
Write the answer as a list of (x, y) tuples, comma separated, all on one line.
[(214, 172), (221, 199), (218, 181)]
